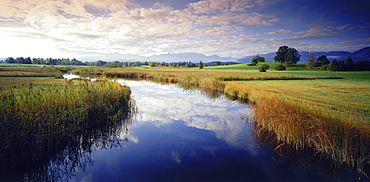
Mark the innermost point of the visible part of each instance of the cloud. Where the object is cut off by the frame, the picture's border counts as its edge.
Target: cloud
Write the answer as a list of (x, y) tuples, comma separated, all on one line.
[(222, 27), (226, 12), (121, 26), (341, 28), (200, 7), (168, 104), (320, 32), (282, 31), (218, 6)]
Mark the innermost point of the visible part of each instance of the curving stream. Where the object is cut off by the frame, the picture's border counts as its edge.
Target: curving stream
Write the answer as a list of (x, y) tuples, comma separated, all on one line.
[(180, 135)]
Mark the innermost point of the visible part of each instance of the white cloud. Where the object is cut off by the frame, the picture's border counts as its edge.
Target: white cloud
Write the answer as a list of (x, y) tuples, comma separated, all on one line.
[(126, 28), (282, 31), (222, 27), (320, 31)]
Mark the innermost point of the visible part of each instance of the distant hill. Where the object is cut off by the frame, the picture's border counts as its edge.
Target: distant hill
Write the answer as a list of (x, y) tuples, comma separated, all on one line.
[(192, 57), (362, 54), (213, 63), (178, 57)]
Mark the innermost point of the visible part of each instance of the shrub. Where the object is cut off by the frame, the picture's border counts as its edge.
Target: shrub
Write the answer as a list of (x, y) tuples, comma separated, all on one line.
[(280, 67), (263, 67)]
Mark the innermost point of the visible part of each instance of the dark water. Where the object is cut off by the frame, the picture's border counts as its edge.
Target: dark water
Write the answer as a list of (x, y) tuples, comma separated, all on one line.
[(182, 135)]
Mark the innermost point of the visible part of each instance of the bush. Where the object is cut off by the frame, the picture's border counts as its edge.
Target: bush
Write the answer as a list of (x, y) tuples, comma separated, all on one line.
[(280, 67), (263, 67)]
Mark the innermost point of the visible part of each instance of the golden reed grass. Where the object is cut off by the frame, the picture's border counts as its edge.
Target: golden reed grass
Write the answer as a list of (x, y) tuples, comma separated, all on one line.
[(343, 142), (36, 121)]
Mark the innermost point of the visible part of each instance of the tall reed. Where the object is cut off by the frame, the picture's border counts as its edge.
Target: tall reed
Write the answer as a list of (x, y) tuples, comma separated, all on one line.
[(40, 119), (343, 142)]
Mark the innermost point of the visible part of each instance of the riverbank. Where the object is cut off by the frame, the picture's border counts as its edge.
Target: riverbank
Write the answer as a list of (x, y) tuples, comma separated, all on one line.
[(327, 111), (39, 119)]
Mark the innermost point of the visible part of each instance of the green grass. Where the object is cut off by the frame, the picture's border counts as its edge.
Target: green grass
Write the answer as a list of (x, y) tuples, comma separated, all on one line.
[(19, 65), (232, 67), (36, 81), (244, 66), (45, 71)]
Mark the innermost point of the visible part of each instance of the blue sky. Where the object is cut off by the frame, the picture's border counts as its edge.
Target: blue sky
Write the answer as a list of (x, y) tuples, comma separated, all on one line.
[(227, 28)]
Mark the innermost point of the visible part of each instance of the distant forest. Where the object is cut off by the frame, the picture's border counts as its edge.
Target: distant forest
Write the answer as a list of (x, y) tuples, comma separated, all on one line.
[(320, 63), (114, 64)]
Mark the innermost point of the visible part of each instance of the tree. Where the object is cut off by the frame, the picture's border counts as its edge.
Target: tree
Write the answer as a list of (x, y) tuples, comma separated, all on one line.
[(137, 64), (280, 54), (100, 63), (287, 55), (348, 63), (200, 65), (323, 60), (218, 63), (263, 67), (311, 60), (256, 60), (66, 62), (10, 60), (19, 60), (292, 57), (51, 61), (27, 60)]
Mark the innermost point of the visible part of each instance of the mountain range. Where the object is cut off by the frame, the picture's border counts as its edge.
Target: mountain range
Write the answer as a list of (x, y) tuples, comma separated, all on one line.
[(168, 58)]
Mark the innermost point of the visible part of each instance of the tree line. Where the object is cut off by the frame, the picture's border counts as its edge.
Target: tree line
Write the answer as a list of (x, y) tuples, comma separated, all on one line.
[(99, 63), (323, 63), (47, 61), (118, 64), (289, 56)]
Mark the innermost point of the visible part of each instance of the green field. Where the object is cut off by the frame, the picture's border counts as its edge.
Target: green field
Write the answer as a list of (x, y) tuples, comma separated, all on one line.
[(348, 96)]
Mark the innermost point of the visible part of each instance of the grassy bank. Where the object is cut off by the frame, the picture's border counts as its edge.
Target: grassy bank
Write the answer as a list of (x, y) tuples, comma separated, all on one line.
[(326, 111), (38, 121), (35, 71)]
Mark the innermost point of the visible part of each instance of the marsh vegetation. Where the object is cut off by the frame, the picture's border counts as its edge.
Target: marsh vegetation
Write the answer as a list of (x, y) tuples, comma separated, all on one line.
[(39, 122)]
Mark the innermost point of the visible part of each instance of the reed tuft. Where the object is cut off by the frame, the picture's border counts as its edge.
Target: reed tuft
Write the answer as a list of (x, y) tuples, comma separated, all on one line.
[(40, 119)]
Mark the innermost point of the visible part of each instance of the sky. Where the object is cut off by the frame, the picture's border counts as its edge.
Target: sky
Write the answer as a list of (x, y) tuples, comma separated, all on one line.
[(226, 28)]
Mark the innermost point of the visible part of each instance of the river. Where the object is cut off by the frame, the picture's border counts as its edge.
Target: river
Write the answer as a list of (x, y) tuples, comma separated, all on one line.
[(180, 135), (169, 133)]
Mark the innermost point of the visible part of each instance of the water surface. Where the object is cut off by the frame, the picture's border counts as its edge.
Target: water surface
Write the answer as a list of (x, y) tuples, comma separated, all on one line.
[(180, 135)]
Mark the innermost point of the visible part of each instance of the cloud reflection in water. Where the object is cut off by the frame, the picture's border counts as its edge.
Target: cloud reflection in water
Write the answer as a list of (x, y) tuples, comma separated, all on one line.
[(164, 104), (180, 135)]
